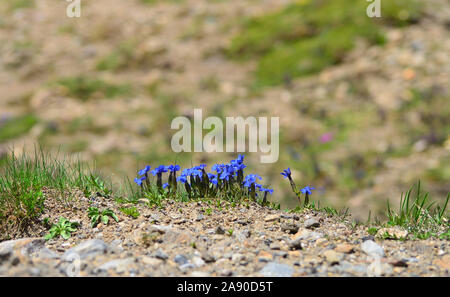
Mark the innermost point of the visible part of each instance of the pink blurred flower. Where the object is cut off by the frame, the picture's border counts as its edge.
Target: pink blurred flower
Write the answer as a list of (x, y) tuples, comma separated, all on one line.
[(326, 137)]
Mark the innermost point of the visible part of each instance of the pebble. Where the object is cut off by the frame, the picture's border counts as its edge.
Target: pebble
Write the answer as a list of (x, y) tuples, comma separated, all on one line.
[(311, 223), (181, 259), (378, 268), (372, 249), (296, 243), (274, 269), (344, 248), (160, 254), (119, 265), (289, 228), (272, 218), (264, 256), (198, 261), (86, 249), (220, 230), (333, 256)]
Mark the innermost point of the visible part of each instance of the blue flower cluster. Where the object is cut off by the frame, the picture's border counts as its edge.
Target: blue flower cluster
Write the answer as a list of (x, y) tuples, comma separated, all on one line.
[(224, 179)]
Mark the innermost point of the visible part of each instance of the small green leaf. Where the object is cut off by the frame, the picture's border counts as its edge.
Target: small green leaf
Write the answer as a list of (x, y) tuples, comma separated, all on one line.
[(65, 234)]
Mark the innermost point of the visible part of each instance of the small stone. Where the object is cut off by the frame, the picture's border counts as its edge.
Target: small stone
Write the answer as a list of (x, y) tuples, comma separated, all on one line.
[(304, 234), (220, 230), (296, 243), (119, 265), (198, 262), (321, 242), (372, 249), (272, 218), (208, 258), (392, 233), (333, 256), (275, 246), (180, 259), (160, 254), (289, 228), (151, 261), (399, 263), (311, 223), (86, 249), (377, 268), (187, 266), (264, 256), (225, 272), (344, 248), (274, 269), (199, 217)]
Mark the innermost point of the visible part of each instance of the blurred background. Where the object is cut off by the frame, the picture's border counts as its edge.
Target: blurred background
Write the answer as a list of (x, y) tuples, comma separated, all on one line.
[(363, 102)]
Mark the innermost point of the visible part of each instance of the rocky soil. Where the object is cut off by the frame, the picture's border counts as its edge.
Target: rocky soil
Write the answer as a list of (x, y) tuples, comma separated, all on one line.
[(205, 239)]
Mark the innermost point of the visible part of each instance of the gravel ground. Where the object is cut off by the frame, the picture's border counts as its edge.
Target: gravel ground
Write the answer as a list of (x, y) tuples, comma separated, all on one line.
[(201, 239)]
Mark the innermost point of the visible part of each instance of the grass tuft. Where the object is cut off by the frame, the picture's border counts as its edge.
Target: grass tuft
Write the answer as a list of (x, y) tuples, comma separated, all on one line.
[(25, 180), (419, 215)]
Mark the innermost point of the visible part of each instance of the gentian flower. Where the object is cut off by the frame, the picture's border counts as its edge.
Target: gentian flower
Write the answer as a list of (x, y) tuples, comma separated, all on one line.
[(173, 168), (266, 191), (212, 178), (286, 173), (139, 180), (251, 179), (182, 179), (307, 190), (144, 171), (159, 169), (218, 168)]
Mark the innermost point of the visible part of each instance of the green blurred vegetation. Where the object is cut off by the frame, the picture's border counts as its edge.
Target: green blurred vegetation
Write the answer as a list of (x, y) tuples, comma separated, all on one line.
[(85, 88), (18, 4), (16, 127), (308, 36)]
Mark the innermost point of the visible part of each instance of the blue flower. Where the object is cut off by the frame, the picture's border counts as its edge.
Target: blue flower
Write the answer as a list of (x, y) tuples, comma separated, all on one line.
[(165, 185), (218, 168), (286, 173), (307, 190), (239, 166), (212, 178), (186, 172), (200, 167), (159, 169), (251, 179), (139, 180), (182, 179), (225, 175), (197, 173), (270, 191), (173, 168), (144, 171)]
